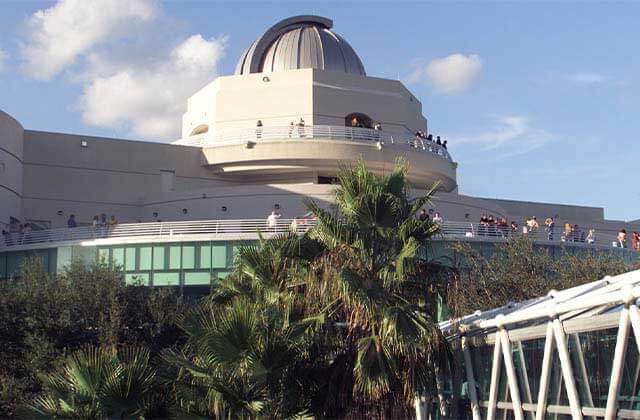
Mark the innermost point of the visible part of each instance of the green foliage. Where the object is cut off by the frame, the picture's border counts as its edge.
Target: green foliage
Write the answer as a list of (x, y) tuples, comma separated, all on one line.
[(97, 383), (518, 270), (372, 281), (44, 318), (247, 344)]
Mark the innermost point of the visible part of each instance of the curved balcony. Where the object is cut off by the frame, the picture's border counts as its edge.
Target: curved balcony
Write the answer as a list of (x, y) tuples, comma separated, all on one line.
[(251, 228), (322, 150), (242, 136)]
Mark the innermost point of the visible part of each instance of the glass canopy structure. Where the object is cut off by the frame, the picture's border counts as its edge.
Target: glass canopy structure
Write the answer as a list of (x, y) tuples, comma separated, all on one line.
[(570, 354)]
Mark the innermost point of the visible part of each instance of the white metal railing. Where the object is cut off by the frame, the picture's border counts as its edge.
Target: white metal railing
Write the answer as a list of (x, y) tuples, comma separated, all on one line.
[(167, 230), (227, 136)]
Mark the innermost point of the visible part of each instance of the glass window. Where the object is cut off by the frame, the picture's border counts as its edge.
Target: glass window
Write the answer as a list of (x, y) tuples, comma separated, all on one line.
[(141, 279), (219, 256), (130, 259), (197, 278), (117, 254), (220, 275), (159, 262), (166, 279), (145, 258), (103, 255), (3, 266), (527, 360), (482, 360), (591, 359), (630, 388), (174, 257), (188, 257), (205, 256)]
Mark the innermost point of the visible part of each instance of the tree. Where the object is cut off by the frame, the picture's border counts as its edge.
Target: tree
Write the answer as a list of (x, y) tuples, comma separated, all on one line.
[(247, 344), (98, 383), (45, 317), (518, 270), (378, 293)]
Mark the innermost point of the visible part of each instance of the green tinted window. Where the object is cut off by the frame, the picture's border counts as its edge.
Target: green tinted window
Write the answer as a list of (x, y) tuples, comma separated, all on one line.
[(197, 278), (130, 259), (141, 279), (205, 256), (188, 256), (118, 256), (158, 258), (103, 255), (221, 274), (219, 256), (166, 279), (145, 258), (174, 257)]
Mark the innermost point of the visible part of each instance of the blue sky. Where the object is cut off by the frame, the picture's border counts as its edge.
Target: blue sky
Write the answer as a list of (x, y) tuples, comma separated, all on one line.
[(539, 101)]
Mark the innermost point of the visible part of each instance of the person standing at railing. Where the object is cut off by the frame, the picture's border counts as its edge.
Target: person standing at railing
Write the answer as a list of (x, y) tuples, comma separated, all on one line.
[(71, 223), (25, 233), (424, 216), (103, 225), (437, 218), (550, 226), (444, 145), (591, 236), (301, 128), (293, 227), (622, 238), (259, 129), (6, 236), (291, 127), (272, 221), (377, 128), (568, 233)]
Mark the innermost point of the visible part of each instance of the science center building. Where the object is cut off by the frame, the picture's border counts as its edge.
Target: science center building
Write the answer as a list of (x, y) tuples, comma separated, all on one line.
[(184, 208)]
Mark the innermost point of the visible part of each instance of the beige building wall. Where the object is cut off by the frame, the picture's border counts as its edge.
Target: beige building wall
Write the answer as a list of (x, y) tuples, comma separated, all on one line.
[(107, 176), (336, 95), (11, 137), (320, 97)]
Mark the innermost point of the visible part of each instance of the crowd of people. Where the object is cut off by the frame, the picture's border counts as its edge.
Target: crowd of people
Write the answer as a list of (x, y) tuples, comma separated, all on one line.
[(421, 136), (19, 236), (296, 225), (500, 227)]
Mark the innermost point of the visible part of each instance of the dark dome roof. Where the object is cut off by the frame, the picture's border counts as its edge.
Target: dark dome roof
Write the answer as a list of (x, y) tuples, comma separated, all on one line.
[(300, 42)]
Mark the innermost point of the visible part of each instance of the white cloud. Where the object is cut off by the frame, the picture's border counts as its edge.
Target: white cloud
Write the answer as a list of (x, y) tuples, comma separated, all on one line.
[(58, 35), (148, 100), (586, 78), (512, 135), (449, 75)]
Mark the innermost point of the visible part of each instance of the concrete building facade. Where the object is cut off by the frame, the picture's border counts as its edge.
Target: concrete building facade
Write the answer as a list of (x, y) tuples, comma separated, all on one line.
[(318, 110)]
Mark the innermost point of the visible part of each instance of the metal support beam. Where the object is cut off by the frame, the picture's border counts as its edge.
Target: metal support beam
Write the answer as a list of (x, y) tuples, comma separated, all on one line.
[(567, 371), (618, 364), (471, 381), (511, 374), (546, 373), (495, 378)]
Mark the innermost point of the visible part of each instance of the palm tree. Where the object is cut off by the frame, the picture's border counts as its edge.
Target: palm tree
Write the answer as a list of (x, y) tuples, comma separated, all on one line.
[(98, 383), (247, 344), (338, 319), (374, 282)]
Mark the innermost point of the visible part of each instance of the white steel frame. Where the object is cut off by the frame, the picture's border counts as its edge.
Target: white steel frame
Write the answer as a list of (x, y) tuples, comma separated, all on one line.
[(565, 314)]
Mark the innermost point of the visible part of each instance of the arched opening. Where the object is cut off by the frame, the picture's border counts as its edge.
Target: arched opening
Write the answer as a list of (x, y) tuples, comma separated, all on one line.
[(201, 129), (358, 119)]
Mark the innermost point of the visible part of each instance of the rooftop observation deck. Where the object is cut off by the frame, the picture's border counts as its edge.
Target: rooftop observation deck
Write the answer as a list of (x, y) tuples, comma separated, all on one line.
[(322, 149), (250, 229)]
